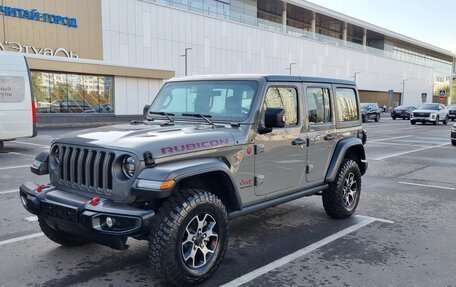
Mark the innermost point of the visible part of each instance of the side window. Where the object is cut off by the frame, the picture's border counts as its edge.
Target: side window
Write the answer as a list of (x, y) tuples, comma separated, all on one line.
[(285, 98), (318, 105), (347, 105)]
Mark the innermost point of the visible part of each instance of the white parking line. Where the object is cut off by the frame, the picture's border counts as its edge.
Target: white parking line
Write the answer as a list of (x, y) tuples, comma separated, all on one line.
[(398, 144), (14, 167), (284, 260), (426, 185), (33, 144), (410, 151), (12, 240), (31, 218), (393, 138), (9, 191)]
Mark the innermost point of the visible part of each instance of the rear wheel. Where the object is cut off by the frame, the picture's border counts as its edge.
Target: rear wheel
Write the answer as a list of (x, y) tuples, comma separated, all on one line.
[(394, 118), (342, 196), (364, 117), (60, 237), (189, 237)]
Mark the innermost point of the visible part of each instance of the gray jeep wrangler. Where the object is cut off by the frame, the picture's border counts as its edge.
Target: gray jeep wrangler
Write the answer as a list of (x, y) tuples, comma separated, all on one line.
[(210, 149)]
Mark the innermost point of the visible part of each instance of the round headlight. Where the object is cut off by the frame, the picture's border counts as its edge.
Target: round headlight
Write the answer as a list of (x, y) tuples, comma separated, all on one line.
[(128, 166)]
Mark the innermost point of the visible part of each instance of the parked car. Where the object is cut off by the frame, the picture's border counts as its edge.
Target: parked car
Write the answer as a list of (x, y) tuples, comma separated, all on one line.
[(453, 135), (452, 112), (402, 112), (370, 111), (17, 104), (430, 113), (199, 159), (71, 106)]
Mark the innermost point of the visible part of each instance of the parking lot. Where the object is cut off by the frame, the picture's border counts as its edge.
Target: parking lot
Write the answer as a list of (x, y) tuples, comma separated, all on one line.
[(402, 235)]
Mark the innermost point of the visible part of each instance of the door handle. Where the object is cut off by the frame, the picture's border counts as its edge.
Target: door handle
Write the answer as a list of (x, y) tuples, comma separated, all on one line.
[(298, 141), (329, 137)]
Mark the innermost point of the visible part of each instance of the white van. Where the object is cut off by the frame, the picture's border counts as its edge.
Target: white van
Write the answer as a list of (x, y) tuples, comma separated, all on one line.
[(17, 106)]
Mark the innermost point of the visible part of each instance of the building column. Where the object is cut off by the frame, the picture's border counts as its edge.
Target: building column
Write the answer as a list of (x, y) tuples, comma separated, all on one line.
[(284, 18), (314, 23), (345, 33), (365, 38)]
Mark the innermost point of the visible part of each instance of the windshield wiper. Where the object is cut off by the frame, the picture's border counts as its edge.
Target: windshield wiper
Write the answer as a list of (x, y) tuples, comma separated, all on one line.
[(168, 115), (205, 117)]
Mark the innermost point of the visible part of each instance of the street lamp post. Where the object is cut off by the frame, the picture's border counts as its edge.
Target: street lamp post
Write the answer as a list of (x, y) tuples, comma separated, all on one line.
[(403, 89), (186, 56), (291, 64), (356, 77)]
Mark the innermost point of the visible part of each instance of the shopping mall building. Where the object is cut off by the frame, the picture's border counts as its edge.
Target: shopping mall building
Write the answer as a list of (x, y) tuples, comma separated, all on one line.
[(100, 60)]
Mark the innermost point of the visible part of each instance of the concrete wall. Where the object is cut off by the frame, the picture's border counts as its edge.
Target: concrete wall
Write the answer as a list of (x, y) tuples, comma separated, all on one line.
[(141, 33), (132, 94)]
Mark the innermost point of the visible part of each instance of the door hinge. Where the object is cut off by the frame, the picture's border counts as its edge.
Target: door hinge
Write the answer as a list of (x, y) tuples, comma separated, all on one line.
[(259, 148), (259, 179), (309, 168)]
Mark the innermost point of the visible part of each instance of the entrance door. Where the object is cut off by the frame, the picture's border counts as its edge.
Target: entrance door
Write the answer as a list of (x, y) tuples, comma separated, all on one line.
[(321, 131), (280, 158)]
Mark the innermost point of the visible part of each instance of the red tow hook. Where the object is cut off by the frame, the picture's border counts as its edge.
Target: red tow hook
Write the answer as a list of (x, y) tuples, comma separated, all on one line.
[(40, 188), (95, 201)]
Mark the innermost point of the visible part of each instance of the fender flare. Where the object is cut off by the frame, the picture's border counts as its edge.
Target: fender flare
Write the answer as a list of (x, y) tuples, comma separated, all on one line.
[(339, 154), (180, 170)]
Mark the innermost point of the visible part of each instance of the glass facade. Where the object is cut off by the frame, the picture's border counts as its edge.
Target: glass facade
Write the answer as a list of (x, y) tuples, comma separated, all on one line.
[(73, 93)]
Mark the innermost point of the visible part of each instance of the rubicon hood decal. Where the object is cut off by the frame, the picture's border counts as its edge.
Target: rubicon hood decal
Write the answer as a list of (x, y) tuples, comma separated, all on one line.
[(195, 146)]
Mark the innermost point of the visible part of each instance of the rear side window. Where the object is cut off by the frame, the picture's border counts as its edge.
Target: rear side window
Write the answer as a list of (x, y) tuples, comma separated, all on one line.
[(285, 98), (347, 105), (318, 105)]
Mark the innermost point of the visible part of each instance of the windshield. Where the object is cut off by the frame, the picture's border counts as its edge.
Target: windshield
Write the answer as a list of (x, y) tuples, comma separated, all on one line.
[(364, 106), (429, 107), (452, 107), (219, 100)]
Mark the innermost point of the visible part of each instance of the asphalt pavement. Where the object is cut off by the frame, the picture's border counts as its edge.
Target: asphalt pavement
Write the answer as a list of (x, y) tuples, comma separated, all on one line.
[(402, 234)]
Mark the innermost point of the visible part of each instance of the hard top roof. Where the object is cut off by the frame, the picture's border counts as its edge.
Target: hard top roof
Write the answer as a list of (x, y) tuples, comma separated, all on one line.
[(269, 78)]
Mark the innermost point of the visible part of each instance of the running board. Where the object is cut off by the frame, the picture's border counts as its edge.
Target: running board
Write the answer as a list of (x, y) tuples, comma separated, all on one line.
[(277, 201)]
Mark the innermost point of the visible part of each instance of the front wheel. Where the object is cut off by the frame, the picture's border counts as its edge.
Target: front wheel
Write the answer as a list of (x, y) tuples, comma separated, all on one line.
[(453, 142), (394, 118), (377, 117), (445, 121), (342, 196), (60, 237), (436, 121), (189, 237), (413, 122)]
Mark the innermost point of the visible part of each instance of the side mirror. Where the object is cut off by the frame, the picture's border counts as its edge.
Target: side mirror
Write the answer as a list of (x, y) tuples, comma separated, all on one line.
[(273, 118), (146, 110)]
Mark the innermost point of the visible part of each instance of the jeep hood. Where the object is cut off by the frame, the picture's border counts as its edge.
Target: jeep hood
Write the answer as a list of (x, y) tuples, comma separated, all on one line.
[(160, 141)]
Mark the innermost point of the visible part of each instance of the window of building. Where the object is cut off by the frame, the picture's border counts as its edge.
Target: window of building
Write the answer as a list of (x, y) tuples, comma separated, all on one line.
[(318, 105), (285, 98), (72, 93), (347, 106)]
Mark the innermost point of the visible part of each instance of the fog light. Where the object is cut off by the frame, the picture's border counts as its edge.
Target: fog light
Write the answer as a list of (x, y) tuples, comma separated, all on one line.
[(24, 201), (109, 222)]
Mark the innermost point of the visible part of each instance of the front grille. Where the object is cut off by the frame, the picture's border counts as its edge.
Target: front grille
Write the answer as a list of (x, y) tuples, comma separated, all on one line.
[(85, 168), (421, 114), (452, 112)]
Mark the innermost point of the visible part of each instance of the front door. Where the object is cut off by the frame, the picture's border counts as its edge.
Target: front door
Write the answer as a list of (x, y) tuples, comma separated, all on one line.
[(321, 131), (280, 158)]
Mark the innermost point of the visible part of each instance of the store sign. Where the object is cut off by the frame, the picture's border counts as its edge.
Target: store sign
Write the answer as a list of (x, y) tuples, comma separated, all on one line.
[(36, 15), (19, 48)]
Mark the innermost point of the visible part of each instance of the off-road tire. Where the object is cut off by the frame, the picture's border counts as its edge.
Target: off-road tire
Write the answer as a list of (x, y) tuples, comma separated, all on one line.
[(377, 118), (333, 197), (170, 225), (60, 237), (445, 121)]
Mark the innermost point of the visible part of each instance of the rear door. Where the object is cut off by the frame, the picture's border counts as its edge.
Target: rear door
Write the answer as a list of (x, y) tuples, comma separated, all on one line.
[(16, 115), (321, 130)]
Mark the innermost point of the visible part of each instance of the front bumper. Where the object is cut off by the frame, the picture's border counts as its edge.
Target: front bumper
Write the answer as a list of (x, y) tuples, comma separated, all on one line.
[(79, 215), (430, 119), (453, 136)]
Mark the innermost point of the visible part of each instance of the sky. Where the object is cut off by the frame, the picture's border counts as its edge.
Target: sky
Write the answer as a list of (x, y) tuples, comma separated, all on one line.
[(430, 21)]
